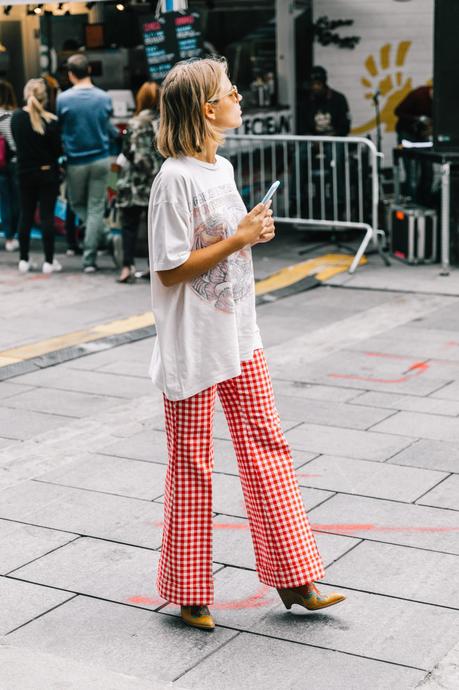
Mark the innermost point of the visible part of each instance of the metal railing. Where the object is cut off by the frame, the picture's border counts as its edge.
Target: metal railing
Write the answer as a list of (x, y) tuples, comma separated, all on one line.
[(326, 182)]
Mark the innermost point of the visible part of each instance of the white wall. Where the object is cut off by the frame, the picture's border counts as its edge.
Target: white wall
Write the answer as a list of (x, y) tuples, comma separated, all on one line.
[(379, 23)]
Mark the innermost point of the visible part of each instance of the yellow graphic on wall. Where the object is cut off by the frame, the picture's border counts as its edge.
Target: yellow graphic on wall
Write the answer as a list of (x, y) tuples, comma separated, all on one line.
[(387, 78)]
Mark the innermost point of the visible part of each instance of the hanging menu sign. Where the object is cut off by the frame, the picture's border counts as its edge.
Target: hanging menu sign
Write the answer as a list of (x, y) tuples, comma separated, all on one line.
[(169, 38)]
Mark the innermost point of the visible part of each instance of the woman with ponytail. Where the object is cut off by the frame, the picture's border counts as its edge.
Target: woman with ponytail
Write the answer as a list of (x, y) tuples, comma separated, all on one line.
[(36, 134)]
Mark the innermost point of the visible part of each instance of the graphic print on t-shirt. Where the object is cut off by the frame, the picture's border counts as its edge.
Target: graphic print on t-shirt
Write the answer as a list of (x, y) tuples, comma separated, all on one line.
[(216, 214)]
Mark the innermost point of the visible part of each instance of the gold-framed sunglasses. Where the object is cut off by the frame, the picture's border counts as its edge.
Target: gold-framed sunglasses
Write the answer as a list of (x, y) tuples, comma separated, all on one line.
[(234, 92)]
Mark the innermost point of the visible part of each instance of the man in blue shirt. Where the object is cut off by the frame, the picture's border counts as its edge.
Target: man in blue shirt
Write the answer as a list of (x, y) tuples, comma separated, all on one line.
[(84, 113)]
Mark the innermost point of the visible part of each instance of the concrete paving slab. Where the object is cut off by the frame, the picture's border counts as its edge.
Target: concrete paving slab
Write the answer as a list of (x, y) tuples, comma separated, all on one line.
[(88, 513), (369, 371), (449, 392), (28, 670), (414, 340), (8, 443), (137, 368), (68, 403), (445, 495), (123, 354), (365, 478), (388, 521), (388, 569), (20, 544), (446, 318), (343, 333), (310, 391), (435, 455), (331, 440), (232, 543), (22, 602), (27, 424), (421, 425), (421, 278), (385, 624), (65, 378), (408, 403), (94, 567), (275, 664), (445, 674), (129, 640), (10, 389), (131, 478), (149, 445), (324, 412)]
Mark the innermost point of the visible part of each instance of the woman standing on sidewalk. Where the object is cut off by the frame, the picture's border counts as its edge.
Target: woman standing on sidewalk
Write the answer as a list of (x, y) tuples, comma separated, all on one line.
[(142, 162), (37, 139), (208, 342)]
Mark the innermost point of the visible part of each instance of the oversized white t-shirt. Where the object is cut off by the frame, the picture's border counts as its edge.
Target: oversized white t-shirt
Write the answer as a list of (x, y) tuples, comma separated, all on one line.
[(206, 326)]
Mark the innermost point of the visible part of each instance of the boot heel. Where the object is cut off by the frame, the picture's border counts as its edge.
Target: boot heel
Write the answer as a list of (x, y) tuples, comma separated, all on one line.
[(287, 598)]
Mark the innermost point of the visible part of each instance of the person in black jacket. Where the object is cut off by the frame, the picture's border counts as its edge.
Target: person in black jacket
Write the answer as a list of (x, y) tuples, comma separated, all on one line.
[(322, 110), (37, 138)]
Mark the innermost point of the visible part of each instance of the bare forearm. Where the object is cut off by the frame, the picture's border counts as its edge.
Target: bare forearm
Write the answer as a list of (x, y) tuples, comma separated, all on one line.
[(200, 261)]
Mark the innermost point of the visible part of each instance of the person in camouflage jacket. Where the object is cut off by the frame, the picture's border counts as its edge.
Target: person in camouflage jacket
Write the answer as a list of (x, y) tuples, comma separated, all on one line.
[(141, 163)]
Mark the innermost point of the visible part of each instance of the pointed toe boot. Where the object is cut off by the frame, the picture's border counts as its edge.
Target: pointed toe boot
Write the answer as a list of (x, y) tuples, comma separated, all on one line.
[(310, 599), (197, 616)]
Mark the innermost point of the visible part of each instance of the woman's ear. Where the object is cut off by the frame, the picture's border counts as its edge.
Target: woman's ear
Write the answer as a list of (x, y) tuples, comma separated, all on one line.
[(209, 111)]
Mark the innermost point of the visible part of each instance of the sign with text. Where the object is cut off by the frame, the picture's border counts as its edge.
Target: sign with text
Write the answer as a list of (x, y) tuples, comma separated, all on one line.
[(266, 122), (169, 38)]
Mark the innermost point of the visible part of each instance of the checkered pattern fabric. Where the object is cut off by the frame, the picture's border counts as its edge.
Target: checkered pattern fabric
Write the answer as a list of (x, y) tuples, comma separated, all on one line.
[(285, 548)]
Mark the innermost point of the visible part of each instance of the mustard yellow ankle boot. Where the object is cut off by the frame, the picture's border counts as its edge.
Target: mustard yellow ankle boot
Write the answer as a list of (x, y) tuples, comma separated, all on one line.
[(311, 599), (197, 616)]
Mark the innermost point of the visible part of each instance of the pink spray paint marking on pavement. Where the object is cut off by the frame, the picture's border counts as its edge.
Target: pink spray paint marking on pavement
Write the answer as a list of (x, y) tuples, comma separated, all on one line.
[(416, 369), (253, 601), (340, 527)]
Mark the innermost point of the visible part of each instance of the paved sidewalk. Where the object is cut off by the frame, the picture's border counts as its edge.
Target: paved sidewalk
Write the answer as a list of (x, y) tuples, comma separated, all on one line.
[(367, 385)]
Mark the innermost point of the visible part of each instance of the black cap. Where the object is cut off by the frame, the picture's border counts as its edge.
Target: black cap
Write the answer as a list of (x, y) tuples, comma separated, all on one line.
[(318, 73)]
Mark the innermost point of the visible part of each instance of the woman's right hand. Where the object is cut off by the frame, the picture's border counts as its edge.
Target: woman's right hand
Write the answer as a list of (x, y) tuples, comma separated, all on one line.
[(250, 229)]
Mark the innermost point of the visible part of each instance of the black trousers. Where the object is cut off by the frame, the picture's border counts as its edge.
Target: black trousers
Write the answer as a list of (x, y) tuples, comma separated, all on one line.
[(37, 189), (129, 221)]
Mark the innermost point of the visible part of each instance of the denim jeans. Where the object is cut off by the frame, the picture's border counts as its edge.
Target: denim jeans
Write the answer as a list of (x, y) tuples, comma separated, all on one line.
[(87, 189)]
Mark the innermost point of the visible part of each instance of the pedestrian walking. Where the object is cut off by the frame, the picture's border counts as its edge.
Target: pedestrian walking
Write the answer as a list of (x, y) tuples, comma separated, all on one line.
[(141, 163), (37, 139), (84, 113), (208, 343), (9, 194)]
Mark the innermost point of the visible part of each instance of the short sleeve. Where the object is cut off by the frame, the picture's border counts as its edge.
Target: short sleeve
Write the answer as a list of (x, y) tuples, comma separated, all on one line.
[(170, 235)]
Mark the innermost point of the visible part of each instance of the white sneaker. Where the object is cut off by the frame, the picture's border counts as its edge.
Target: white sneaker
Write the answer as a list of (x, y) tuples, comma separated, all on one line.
[(55, 267), (11, 245), (90, 269), (24, 266)]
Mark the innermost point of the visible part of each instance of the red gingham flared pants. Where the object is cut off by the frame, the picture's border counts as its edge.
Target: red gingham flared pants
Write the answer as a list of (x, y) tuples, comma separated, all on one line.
[(286, 553)]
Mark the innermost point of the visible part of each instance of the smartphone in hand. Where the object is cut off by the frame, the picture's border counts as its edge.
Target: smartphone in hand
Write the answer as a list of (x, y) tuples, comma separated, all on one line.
[(271, 191)]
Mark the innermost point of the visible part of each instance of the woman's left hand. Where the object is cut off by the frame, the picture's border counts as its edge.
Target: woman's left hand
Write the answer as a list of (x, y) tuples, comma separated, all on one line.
[(269, 230)]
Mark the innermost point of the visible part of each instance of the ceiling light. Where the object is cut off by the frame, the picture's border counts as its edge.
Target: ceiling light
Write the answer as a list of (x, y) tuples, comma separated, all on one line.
[(120, 6), (38, 9)]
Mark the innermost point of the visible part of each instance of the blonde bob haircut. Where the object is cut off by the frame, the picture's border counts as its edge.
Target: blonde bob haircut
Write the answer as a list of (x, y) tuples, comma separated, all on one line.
[(183, 127)]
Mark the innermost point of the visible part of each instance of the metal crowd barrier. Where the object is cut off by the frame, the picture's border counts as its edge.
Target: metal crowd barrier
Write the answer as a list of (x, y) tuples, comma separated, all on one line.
[(326, 182)]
